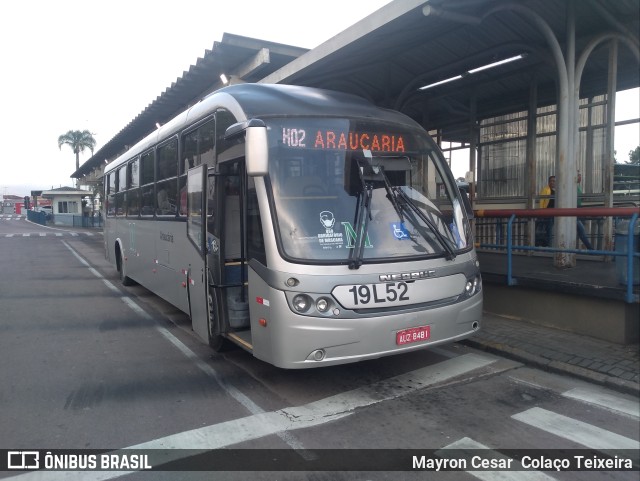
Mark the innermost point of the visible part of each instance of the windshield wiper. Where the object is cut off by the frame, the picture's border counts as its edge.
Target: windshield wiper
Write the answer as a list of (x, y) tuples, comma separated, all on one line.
[(363, 214), (391, 195), (404, 202)]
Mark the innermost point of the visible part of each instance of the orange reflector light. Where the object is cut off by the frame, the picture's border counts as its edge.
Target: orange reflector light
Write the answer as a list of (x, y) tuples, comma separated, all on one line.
[(262, 322)]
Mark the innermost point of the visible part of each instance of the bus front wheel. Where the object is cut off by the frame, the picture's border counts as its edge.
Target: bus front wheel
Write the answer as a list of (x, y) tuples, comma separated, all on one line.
[(219, 343)]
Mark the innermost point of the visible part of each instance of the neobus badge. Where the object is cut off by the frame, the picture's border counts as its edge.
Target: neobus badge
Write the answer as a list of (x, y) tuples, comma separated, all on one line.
[(407, 276)]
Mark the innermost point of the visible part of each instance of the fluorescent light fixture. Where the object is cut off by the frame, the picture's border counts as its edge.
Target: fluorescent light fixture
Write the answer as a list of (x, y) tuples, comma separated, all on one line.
[(158, 125), (472, 71), (495, 64), (224, 79), (441, 82)]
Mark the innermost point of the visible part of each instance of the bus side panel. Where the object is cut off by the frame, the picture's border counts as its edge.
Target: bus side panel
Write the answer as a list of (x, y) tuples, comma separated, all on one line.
[(155, 256), (109, 240), (167, 261), (261, 337)]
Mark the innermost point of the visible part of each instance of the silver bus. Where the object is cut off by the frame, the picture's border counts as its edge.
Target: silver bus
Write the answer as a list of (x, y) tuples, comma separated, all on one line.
[(309, 227)]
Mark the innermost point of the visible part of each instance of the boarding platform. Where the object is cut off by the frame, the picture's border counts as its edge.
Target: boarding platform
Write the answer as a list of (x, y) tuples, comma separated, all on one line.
[(598, 297), (587, 299)]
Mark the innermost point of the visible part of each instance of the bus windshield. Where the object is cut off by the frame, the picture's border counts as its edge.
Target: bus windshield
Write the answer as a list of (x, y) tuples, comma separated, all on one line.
[(356, 191)]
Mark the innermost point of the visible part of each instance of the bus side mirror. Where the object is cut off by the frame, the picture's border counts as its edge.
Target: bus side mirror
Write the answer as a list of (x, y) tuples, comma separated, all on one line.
[(256, 146), (257, 151)]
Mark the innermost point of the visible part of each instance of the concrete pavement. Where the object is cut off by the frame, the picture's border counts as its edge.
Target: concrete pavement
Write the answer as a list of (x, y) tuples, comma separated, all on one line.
[(613, 365)]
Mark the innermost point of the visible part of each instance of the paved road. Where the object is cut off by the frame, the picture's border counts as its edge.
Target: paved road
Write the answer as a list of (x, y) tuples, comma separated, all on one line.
[(87, 364)]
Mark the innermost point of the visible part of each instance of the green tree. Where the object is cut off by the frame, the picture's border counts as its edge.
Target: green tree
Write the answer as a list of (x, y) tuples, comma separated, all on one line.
[(634, 156), (78, 140)]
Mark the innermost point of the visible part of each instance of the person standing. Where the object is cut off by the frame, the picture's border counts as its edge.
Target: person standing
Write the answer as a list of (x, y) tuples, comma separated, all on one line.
[(544, 228)]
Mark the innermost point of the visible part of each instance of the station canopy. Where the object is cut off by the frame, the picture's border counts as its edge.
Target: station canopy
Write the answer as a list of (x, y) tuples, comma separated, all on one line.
[(441, 62), (239, 58)]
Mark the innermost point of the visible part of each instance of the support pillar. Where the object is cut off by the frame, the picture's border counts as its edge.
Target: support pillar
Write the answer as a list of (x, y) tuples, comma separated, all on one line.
[(532, 162), (566, 178), (609, 160)]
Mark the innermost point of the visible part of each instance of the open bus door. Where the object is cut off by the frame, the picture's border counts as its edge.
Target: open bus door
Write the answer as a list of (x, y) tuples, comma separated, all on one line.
[(197, 275), (226, 233)]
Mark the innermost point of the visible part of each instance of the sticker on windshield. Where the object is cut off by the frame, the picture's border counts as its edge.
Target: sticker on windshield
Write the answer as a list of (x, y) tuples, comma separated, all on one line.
[(330, 239), (399, 231), (352, 238)]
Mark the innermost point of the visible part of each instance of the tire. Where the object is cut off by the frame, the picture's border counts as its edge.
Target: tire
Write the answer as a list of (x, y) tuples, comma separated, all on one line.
[(220, 343), (124, 279)]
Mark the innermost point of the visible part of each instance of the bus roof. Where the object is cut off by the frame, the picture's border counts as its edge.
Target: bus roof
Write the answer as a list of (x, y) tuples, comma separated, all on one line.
[(250, 100), (261, 100)]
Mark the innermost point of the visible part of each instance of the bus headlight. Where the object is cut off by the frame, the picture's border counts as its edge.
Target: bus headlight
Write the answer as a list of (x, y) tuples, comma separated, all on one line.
[(473, 286), (302, 302), (468, 288), (313, 304), (322, 305)]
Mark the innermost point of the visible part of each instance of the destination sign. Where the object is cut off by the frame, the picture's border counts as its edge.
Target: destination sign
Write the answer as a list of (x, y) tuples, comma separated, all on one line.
[(328, 139)]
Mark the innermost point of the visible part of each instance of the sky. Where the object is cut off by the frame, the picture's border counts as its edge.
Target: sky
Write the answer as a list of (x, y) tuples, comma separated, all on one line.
[(95, 65)]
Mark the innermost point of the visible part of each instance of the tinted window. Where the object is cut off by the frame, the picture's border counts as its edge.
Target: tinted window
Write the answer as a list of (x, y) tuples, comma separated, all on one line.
[(147, 168), (167, 160), (147, 202)]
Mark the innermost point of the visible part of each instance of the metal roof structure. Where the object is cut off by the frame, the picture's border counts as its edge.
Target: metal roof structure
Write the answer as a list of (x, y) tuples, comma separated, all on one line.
[(408, 44)]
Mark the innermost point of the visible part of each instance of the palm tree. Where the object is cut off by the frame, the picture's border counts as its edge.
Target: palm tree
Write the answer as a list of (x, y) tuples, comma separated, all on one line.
[(78, 141)]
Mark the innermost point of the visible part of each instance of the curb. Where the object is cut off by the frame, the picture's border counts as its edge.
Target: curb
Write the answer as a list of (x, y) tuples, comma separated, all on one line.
[(525, 357)]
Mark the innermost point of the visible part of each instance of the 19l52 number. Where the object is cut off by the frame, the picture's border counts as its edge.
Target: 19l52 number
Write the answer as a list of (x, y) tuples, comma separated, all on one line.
[(379, 293)]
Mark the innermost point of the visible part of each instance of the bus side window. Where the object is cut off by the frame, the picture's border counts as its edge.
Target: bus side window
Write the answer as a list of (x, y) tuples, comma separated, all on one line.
[(187, 161), (189, 152), (147, 201), (232, 214), (255, 237), (207, 141), (166, 177), (121, 186), (133, 191), (111, 194), (197, 148)]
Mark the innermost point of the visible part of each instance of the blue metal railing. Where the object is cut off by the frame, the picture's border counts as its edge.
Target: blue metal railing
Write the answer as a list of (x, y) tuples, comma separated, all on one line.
[(512, 215)]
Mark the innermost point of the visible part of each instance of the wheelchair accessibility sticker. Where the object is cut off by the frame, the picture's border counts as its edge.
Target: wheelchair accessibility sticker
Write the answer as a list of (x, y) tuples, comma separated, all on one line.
[(399, 231)]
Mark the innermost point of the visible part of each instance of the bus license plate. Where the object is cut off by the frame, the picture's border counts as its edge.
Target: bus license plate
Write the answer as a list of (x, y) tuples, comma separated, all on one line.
[(414, 334)]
